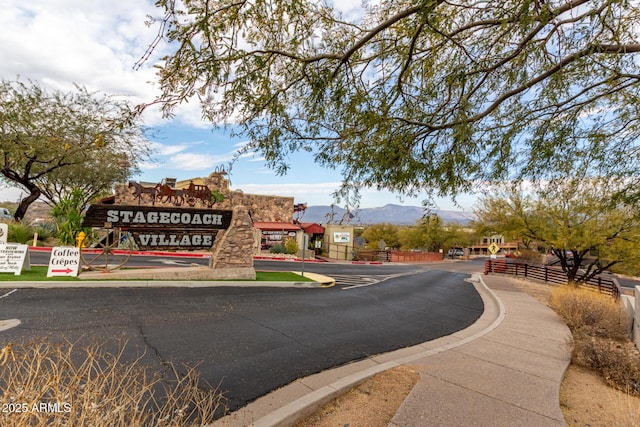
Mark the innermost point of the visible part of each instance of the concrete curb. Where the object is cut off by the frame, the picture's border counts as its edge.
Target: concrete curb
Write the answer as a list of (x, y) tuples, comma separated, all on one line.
[(130, 283), (316, 390), (318, 281)]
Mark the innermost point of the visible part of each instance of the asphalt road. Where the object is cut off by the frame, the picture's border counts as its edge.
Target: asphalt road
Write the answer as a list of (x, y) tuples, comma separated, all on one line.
[(347, 276), (253, 340)]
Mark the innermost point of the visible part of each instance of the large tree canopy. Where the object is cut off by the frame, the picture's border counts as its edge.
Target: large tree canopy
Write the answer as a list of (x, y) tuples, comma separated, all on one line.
[(416, 95), (52, 143)]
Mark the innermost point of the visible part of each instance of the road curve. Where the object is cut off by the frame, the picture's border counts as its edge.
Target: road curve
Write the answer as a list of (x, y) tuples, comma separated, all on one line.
[(252, 340)]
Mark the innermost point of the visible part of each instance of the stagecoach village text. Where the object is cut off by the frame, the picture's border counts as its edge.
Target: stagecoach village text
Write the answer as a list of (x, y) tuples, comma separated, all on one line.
[(183, 218)]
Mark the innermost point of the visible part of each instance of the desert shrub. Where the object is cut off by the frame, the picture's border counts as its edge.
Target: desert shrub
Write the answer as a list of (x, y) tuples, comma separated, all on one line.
[(68, 385), (531, 255), (278, 248), (617, 361), (45, 228), (291, 247), (600, 332), (590, 312)]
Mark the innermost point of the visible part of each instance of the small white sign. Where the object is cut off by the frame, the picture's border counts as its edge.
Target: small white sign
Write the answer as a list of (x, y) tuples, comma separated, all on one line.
[(341, 237), (64, 261), (14, 258), (4, 232)]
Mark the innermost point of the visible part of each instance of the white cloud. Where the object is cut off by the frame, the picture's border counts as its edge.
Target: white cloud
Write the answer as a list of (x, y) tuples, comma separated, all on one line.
[(59, 43), (169, 150), (197, 161)]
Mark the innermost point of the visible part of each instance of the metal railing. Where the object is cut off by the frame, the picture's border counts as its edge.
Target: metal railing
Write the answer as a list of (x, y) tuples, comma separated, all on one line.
[(603, 284), (371, 255)]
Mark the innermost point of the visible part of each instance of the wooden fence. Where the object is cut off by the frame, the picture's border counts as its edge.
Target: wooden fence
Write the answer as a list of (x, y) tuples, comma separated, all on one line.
[(408, 256), (396, 256), (603, 284)]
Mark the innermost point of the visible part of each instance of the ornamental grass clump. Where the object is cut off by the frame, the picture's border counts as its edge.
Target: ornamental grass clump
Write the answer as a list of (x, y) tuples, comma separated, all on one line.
[(601, 338), (44, 383)]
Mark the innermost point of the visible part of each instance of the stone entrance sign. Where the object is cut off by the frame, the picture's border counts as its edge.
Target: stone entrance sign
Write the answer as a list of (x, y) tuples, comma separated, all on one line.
[(162, 227)]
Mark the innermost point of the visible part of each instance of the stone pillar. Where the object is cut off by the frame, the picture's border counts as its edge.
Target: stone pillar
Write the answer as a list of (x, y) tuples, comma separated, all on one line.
[(232, 251)]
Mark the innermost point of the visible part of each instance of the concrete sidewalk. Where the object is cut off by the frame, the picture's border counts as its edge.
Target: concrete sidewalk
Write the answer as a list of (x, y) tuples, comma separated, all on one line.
[(504, 370), (509, 376)]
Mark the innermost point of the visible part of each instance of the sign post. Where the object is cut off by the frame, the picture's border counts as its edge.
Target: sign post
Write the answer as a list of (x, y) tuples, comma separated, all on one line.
[(493, 248), (304, 247)]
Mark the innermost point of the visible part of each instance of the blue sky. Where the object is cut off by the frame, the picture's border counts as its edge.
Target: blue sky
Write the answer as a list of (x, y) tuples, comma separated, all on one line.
[(95, 43)]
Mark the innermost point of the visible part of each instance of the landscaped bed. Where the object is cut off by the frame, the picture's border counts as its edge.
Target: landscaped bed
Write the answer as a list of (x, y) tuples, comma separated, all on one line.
[(39, 273)]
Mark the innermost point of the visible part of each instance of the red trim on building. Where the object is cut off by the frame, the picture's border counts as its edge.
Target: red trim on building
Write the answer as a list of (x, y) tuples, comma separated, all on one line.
[(312, 228), (276, 226)]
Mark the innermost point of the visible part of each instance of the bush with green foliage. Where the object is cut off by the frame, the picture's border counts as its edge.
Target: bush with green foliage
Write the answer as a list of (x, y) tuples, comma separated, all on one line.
[(68, 216), (20, 233), (278, 248), (291, 247)]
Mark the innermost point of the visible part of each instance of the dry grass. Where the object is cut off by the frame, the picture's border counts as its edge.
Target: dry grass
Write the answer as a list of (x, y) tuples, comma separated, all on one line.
[(600, 336), (590, 312), (47, 384)]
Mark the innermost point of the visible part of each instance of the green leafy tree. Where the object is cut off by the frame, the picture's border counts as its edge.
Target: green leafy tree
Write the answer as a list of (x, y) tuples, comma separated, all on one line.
[(458, 236), (53, 143), (416, 95), (584, 223), (387, 232), (434, 231), (430, 234), (412, 238), (501, 213)]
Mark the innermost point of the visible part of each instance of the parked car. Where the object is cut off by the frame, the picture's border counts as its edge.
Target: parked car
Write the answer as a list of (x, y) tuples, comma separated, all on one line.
[(5, 215), (454, 252)]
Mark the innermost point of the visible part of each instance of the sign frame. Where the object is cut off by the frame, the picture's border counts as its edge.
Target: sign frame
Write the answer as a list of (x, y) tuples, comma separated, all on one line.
[(493, 249), (162, 227), (64, 261)]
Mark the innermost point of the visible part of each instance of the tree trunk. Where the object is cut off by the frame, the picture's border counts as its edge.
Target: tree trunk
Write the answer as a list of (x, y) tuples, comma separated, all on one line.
[(24, 204)]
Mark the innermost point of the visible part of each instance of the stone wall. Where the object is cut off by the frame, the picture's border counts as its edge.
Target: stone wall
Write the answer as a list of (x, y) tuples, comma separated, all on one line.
[(261, 208)]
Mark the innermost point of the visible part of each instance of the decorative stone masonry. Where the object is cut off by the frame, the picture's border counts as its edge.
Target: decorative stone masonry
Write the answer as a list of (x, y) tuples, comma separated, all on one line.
[(261, 208), (233, 248), (231, 258)]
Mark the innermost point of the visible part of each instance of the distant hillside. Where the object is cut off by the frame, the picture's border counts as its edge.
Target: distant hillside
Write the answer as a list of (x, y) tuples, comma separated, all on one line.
[(393, 214)]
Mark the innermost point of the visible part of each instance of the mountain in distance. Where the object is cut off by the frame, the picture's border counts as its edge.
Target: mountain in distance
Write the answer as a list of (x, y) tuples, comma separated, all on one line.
[(390, 213)]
